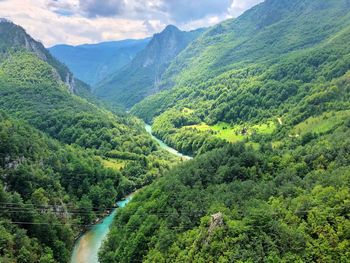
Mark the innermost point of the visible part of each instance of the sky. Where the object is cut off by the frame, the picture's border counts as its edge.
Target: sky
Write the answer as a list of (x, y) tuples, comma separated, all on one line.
[(77, 22)]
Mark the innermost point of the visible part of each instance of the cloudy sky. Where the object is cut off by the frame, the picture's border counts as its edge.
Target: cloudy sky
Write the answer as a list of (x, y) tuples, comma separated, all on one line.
[(91, 21)]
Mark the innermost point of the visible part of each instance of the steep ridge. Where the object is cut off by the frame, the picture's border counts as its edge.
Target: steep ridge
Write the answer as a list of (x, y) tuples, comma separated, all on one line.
[(141, 77), (14, 38), (63, 161), (93, 62), (290, 47), (270, 29)]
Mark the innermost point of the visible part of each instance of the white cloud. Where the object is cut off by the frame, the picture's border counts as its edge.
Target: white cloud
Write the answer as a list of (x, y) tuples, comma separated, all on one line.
[(239, 6), (90, 21), (44, 23)]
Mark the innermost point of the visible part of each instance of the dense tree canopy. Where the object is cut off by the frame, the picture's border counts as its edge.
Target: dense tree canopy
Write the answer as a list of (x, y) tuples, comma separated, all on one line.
[(277, 205), (261, 101), (59, 169)]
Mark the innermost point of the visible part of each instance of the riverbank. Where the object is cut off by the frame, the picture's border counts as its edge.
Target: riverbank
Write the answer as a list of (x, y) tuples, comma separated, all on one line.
[(165, 146), (87, 246)]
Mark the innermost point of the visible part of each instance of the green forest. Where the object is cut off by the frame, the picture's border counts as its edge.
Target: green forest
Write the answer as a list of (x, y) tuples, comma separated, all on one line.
[(286, 205), (266, 113), (262, 103), (56, 151)]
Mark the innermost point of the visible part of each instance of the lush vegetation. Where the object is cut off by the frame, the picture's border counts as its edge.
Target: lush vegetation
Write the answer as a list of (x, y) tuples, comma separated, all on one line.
[(237, 204), (305, 81), (49, 192), (64, 161), (13, 38), (263, 101)]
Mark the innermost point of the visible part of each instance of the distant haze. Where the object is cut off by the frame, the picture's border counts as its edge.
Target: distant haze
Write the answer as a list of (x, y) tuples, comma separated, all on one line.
[(92, 63)]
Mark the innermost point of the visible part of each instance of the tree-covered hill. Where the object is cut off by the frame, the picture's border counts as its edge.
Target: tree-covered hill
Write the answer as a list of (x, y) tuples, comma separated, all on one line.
[(289, 58), (48, 193), (64, 161), (14, 38), (92, 63), (141, 77), (237, 204), (264, 103), (29, 92), (264, 33)]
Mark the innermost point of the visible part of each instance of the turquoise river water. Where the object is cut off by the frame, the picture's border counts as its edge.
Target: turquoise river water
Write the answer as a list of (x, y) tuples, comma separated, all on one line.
[(87, 246), (164, 146)]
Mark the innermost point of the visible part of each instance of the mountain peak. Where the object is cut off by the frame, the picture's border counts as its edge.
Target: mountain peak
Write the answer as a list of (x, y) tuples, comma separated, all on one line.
[(149, 65), (5, 20), (171, 28)]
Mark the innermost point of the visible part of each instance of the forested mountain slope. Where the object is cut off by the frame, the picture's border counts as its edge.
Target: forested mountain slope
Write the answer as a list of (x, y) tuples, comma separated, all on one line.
[(237, 204), (14, 38), (141, 77), (93, 62), (282, 71), (264, 103), (269, 30), (64, 161), (48, 193)]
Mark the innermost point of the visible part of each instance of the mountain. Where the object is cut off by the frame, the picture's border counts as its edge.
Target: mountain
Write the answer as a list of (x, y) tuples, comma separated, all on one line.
[(63, 160), (263, 102), (142, 75), (267, 31), (93, 62), (250, 71), (15, 38)]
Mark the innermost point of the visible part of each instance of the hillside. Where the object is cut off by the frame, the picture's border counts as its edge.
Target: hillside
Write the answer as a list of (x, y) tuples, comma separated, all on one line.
[(237, 204), (93, 62), (268, 31), (263, 101), (48, 192), (14, 38), (278, 71), (141, 77), (64, 161)]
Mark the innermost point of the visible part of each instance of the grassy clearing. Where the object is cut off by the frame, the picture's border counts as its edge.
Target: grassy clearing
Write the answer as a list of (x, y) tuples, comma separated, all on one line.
[(265, 128), (114, 164), (187, 111), (321, 124), (226, 132), (235, 133)]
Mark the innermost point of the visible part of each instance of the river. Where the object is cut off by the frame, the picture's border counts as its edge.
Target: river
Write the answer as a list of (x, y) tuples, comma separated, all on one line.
[(166, 147), (87, 246)]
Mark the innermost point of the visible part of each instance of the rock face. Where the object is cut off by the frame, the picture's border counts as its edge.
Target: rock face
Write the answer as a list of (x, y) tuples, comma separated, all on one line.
[(217, 220), (142, 76), (15, 38)]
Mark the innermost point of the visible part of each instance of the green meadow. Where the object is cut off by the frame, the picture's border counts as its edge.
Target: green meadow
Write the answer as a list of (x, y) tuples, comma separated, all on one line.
[(321, 124), (235, 133)]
